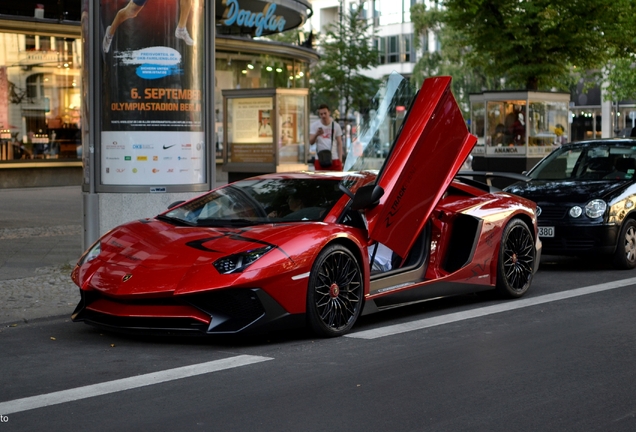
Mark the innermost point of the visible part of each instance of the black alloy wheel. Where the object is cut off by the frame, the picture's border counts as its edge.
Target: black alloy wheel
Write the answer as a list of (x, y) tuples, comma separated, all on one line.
[(625, 255), (516, 259), (335, 292)]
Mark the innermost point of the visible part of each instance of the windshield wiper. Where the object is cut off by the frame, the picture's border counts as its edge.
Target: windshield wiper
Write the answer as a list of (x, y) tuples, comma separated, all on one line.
[(226, 222), (174, 221)]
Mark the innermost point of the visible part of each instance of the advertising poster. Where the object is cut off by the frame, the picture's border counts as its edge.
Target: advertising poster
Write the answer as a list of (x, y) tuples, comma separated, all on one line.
[(152, 82), (253, 136), (289, 128), (251, 120)]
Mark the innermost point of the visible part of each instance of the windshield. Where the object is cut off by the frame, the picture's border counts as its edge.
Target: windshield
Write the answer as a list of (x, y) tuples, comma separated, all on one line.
[(377, 127), (598, 161), (257, 201)]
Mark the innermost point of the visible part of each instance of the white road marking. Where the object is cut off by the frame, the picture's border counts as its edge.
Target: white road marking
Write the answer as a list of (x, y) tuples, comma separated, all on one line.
[(29, 403), (489, 310)]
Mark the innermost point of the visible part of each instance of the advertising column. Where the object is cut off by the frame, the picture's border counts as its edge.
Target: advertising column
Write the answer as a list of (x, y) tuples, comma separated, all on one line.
[(152, 132), (147, 74)]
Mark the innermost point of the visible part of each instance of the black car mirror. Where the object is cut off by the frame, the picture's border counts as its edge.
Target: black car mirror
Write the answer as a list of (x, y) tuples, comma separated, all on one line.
[(176, 203), (367, 196)]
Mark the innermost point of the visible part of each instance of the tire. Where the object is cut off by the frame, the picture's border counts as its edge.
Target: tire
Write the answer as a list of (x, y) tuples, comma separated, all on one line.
[(335, 292), (625, 255), (517, 256)]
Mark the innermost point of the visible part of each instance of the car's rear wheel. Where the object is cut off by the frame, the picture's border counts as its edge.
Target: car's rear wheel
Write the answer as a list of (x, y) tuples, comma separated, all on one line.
[(335, 292), (516, 259), (625, 255)]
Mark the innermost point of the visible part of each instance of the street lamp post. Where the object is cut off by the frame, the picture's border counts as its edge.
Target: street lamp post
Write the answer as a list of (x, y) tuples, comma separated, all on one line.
[(617, 128)]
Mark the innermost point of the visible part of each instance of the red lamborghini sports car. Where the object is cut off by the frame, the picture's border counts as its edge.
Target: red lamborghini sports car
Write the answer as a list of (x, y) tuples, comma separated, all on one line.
[(321, 248)]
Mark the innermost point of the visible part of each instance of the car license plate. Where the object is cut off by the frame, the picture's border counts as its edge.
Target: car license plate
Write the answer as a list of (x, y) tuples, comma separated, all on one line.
[(546, 231)]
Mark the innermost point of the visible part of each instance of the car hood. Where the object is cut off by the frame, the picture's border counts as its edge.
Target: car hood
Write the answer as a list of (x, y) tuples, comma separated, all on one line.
[(150, 257), (564, 191)]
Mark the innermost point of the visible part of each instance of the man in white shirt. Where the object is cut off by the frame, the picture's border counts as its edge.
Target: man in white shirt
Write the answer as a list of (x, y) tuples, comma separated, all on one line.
[(320, 133)]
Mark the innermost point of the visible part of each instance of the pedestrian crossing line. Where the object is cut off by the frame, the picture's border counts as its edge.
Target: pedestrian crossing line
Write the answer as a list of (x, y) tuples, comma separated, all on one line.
[(55, 398), (488, 310)]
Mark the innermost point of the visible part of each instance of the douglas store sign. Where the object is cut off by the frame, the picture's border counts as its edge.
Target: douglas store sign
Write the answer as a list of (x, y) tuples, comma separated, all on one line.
[(265, 20), (259, 18)]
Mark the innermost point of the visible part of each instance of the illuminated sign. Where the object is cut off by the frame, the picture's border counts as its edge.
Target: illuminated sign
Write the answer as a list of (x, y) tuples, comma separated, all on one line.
[(265, 20)]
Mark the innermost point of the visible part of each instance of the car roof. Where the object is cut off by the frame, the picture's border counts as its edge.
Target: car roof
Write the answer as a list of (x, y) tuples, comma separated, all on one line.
[(603, 141)]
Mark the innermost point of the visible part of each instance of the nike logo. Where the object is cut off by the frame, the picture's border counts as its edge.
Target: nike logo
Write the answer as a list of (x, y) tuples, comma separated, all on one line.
[(165, 147)]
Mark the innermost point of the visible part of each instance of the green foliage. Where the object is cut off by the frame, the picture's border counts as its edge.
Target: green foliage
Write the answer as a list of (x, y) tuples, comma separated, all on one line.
[(622, 79), (450, 60), (537, 44), (345, 51)]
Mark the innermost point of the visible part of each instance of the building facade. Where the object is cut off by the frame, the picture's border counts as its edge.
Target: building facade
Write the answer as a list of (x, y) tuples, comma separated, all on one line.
[(391, 20)]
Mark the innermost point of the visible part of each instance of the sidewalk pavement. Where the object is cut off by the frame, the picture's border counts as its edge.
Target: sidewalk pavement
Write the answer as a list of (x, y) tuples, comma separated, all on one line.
[(40, 241)]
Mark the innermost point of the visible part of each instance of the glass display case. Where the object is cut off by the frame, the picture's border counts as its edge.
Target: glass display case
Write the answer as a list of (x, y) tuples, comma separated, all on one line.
[(547, 126), (515, 129), (265, 131)]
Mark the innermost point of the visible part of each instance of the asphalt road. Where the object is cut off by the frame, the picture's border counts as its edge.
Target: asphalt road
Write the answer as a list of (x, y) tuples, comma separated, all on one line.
[(559, 359)]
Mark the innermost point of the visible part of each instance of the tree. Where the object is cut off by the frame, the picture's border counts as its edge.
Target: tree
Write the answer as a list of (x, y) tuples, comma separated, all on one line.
[(450, 60), (537, 43), (345, 51), (621, 79)]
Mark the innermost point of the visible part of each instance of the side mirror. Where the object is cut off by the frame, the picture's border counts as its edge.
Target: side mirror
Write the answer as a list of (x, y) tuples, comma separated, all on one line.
[(367, 196), (176, 203)]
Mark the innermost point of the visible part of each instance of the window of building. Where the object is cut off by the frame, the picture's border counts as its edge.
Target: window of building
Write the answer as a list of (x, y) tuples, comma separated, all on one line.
[(406, 10), (328, 16), (380, 46), (385, 12), (406, 54), (362, 9), (395, 49), (29, 42)]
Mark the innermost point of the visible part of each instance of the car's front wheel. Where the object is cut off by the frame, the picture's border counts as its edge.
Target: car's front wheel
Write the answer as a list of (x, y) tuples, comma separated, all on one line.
[(516, 259), (335, 292), (625, 255)]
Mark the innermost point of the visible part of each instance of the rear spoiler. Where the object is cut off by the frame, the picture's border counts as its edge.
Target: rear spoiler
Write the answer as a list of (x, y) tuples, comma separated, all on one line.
[(467, 177)]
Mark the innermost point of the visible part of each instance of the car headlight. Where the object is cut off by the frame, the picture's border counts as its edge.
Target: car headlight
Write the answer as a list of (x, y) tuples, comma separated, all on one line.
[(238, 262), (595, 208), (576, 211), (91, 253)]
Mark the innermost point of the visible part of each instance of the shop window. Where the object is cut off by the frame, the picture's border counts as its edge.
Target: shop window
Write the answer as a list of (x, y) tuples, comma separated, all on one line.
[(43, 109), (244, 71), (586, 124)]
